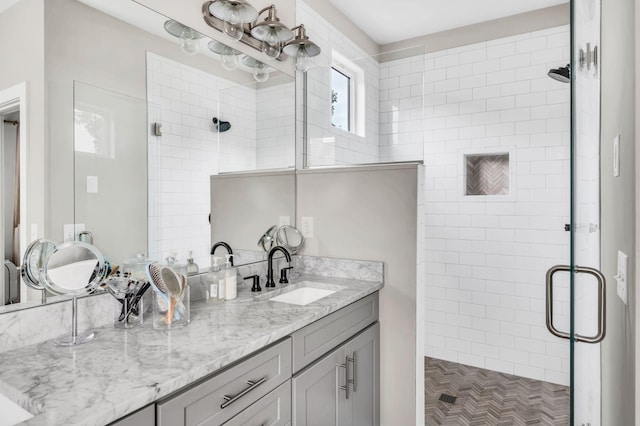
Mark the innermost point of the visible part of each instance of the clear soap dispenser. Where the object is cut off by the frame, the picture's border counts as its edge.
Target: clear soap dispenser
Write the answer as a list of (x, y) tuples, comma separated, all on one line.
[(192, 267), (214, 281), (230, 279)]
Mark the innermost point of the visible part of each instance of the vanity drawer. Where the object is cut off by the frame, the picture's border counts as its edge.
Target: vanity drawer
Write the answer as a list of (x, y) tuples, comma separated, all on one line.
[(242, 385), (272, 410), (318, 338)]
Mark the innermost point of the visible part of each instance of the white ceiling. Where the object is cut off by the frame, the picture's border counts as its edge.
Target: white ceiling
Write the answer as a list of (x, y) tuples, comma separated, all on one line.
[(387, 21)]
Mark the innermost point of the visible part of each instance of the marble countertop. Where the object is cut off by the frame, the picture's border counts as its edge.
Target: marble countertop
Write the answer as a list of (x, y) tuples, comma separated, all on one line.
[(124, 370)]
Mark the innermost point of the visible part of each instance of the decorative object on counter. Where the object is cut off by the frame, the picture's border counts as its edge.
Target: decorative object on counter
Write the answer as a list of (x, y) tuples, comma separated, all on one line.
[(237, 20), (221, 244), (192, 267), (272, 252), (171, 297), (230, 279), (74, 268), (137, 267), (214, 280), (290, 238), (35, 256), (256, 282), (172, 262), (267, 240), (128, 292)]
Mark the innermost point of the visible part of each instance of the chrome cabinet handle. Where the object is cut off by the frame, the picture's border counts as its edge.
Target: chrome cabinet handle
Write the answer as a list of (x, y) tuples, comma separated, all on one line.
[(345, 388), (602, 321), (353, 371), (228, 400)]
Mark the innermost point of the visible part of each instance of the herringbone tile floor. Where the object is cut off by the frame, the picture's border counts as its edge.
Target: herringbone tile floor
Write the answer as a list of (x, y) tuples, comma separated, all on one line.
[(487, 398)]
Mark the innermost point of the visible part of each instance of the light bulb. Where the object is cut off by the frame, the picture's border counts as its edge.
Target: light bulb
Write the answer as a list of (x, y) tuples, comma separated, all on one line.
[(302, 59), (260, 73), (229, 59), (272, 37), (232, 25), (272, 51), (189, 42)]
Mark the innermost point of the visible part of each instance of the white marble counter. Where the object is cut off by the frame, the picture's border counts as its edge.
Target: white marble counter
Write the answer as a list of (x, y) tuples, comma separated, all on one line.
[(124, 370)]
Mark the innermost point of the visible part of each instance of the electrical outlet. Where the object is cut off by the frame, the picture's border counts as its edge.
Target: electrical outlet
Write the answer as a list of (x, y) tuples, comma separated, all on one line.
[(92, 184), (307, 227), (621, 276)]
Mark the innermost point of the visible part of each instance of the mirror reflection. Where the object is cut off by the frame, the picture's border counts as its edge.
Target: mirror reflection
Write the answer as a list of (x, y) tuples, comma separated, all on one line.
[(122, 137)]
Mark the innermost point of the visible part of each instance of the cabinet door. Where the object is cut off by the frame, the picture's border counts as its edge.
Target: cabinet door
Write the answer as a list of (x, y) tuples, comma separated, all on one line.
[(317, 397), (363, 406)]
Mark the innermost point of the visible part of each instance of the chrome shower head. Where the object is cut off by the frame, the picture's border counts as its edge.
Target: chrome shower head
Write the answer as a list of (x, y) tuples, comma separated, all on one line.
[(221, 126), (562, 74)]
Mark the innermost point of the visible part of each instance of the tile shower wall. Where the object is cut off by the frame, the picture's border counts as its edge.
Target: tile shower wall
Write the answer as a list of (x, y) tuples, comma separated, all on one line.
[(185, 100), (327, 144), (275, 105), (486, 256)]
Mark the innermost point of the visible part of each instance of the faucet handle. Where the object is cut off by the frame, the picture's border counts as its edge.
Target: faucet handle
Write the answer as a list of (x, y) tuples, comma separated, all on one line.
[(256, 282), (283, 275)]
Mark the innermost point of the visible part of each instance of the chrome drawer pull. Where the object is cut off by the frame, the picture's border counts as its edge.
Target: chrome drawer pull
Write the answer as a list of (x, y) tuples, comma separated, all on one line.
[(353, 381), (345, 388), (228, 400)]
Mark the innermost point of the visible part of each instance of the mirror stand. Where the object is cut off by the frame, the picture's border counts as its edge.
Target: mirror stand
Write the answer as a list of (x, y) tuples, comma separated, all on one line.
[(75, 338)]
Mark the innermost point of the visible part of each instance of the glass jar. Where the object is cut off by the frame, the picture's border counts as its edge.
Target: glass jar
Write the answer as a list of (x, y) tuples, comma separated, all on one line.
[(169, 311)]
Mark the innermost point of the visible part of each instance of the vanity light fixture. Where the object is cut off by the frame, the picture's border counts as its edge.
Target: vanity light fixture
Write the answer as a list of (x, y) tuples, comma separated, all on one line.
[(234, 14), (260, 70), (301, 49), (236, 18), (271, 32), (228, 55), (189, 38)]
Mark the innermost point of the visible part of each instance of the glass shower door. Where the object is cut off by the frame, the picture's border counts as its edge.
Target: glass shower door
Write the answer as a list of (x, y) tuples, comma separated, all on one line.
[(586, 285)]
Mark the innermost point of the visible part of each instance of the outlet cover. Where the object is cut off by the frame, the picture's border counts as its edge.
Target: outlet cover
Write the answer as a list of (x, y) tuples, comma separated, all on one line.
[(307, 226)]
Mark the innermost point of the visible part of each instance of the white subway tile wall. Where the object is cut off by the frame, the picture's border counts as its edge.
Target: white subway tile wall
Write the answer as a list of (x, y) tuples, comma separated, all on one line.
[(486, 257), (184, 100), (327, 144)]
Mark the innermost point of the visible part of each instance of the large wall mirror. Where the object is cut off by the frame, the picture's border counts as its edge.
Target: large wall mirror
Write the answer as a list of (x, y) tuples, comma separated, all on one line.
[(126, 123)]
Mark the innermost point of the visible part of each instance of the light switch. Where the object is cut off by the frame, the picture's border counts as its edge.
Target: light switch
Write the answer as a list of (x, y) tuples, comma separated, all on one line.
[(616, 156), (92, 184), (621, 276), (307, 227)]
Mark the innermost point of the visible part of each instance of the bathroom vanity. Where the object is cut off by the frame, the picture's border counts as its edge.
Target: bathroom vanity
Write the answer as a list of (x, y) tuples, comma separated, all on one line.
[(247, 361)]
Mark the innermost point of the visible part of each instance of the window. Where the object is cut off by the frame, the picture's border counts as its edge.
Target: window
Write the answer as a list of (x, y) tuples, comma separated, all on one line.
[(347, 95), (340, 99)]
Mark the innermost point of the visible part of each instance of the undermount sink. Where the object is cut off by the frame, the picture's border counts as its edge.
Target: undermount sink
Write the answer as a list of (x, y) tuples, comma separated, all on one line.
[(12, 413), (305, 292)]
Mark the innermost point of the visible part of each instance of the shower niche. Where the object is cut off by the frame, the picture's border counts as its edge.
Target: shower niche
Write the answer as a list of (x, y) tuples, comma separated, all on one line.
[(486, 174)]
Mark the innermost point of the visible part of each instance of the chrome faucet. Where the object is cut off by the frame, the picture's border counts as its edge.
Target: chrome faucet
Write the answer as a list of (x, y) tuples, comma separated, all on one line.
[(270, 282), (226, 246)]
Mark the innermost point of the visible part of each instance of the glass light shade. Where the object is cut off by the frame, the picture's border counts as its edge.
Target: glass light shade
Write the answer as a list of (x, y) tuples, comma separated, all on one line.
[(272, 51), (260, 72), (189, 42), (246, 12), (229, 61), (232, 24), (302, 59)]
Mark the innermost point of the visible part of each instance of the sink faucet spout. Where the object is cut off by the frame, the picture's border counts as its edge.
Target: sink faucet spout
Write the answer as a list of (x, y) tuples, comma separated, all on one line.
[(270, 282)]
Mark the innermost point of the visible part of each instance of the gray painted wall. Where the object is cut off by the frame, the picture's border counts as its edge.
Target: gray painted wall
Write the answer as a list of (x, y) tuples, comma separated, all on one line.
[(618, 209), (371, 213)]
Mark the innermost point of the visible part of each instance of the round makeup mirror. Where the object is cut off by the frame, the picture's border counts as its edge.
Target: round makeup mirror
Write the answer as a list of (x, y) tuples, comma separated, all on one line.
[(73, 268), (290, 238), (267, 241), (35, 257)]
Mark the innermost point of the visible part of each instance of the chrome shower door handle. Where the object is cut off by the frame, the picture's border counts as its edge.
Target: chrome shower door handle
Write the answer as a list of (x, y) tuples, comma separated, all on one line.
[(602, 323)]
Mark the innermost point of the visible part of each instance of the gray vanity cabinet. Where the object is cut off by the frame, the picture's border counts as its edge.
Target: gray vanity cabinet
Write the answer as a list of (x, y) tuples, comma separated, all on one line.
[(341, 389), (218, 399)]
